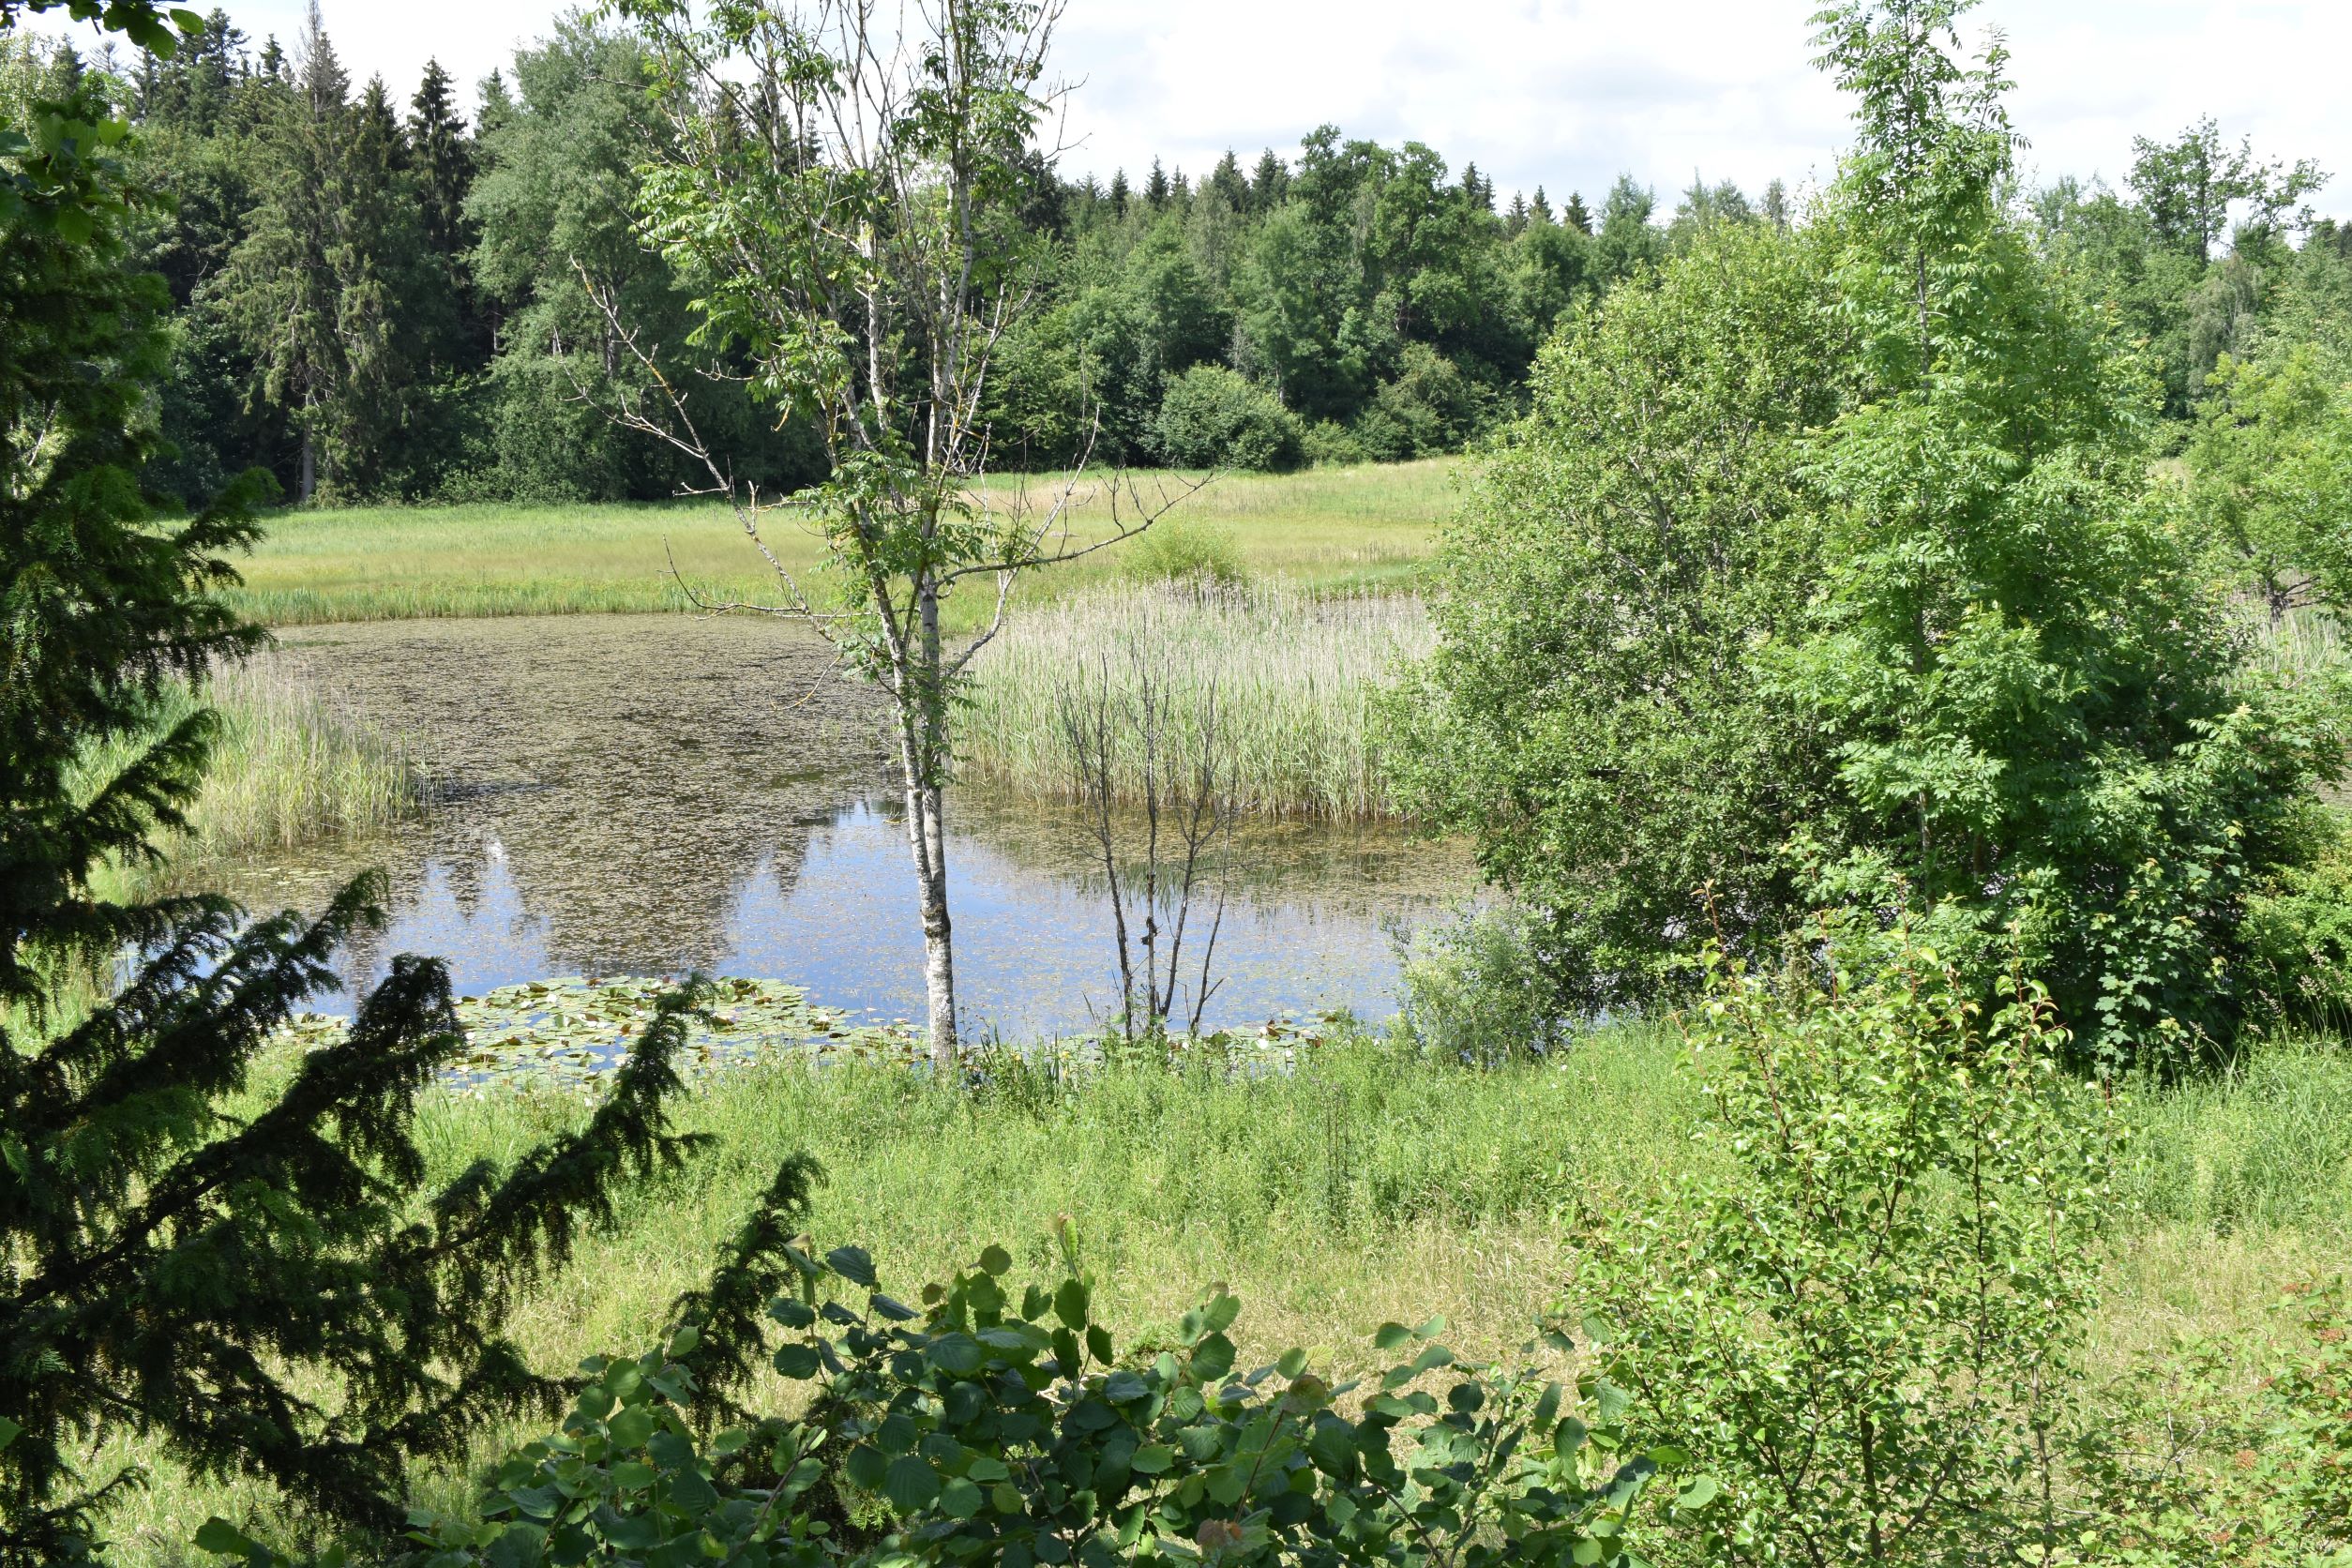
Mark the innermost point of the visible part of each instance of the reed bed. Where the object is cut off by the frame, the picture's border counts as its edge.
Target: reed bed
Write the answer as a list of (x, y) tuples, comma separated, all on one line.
[(289, 766), (1294, 677), (2302, 642)]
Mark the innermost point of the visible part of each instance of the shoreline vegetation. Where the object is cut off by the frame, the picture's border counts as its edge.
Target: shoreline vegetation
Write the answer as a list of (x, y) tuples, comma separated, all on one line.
[(288, 766), (1293, 678)]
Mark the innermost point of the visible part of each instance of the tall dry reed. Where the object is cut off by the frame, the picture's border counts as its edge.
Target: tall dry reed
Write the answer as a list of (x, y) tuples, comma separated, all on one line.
[(1294, 676)]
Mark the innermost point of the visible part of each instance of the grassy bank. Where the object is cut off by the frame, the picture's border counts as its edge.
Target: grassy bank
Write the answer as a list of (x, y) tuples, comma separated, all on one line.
[(1355, 528), (1364, 1188), (1370, 1186), (287, 766), (1293, 676)]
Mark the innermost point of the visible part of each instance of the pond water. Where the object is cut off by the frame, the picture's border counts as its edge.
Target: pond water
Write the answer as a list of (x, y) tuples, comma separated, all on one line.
[(646, 795)]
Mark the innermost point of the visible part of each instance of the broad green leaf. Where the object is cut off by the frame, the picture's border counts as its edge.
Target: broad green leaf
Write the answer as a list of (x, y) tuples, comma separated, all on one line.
[(910, 1483), (631, 1427), (1070, 1304), (957, 1354)]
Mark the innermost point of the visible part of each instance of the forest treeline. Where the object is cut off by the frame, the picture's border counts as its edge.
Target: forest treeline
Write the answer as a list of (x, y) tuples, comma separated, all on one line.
[(386, 297)]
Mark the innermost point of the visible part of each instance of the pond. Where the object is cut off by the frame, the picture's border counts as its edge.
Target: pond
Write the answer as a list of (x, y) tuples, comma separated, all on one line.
[(648, 795)]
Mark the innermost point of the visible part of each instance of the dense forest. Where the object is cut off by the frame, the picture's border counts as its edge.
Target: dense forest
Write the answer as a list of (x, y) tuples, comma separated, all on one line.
[(382, 297)]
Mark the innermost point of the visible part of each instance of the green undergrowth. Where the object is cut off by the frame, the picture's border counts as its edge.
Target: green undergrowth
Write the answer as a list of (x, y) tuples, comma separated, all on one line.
[(1362, 1185)]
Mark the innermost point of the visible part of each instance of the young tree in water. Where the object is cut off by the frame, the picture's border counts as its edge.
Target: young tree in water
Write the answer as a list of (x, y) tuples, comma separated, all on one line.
[(844, 188)]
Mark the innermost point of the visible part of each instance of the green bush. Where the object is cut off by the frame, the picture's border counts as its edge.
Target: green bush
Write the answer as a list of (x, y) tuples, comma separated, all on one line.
[(1430, 407), (1829, 569), (1862, 1317), (975, 1430), (1212, 417), (1183, 550), (1475, 992), (1329, 443), (1596, 716), (2297, 932)]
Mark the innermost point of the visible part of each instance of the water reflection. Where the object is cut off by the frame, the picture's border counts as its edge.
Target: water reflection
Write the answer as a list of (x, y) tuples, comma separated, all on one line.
[(652, 794)]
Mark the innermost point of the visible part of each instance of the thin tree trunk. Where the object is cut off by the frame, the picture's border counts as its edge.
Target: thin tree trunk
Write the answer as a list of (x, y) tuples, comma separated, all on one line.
[(923, 723), (309, 480)]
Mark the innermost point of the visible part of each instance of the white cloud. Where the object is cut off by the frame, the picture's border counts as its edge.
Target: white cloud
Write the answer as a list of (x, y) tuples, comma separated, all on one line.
[(1565, 93)]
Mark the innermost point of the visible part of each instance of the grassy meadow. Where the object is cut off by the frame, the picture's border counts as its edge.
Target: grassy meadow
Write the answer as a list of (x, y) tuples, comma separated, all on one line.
[(1369, 1185), (1353, 528)]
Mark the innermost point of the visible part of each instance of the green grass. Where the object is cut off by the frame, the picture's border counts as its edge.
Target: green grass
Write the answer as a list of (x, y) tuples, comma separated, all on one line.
[(1353, 528), (1293, 676), (1367, 1187), (290, 767)]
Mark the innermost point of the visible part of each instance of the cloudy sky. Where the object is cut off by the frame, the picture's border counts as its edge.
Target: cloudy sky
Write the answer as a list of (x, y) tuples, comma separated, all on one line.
[(1566, 93)]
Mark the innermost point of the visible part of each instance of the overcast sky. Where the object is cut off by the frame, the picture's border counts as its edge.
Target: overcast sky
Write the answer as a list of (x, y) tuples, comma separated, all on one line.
[(1565, 93)]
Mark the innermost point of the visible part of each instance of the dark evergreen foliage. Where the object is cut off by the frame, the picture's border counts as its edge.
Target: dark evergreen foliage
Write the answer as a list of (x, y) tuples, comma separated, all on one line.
[(229, 1255)]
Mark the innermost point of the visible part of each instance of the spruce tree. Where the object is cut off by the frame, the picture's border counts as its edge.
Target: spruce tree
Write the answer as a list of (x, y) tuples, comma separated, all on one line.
[(281, 289), (1155, 187), (227, 1254), (1269, 182), (1575, 214), (1228, 181), (443, 161)]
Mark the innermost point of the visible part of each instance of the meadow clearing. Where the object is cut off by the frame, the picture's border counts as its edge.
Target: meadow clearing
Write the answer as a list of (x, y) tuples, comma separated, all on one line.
[(1364, 527)]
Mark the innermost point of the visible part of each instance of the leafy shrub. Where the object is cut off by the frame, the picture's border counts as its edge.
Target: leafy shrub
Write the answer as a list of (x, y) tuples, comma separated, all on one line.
[(1860, 1315), (1327, 442), (1212, 417), (2214, 1456), (974, 1429), (1828, 566), (2297, 932), (1476, 992), (1183, 549), (1605, 557)]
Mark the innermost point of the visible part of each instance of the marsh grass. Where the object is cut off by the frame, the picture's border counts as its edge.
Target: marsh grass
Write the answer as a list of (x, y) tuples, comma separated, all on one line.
[(1356, 528), (1294, 676), (1370, 1185), (287, 766)]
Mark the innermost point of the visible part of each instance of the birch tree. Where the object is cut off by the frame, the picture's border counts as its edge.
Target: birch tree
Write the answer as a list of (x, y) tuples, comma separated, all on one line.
[(842, 184)]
